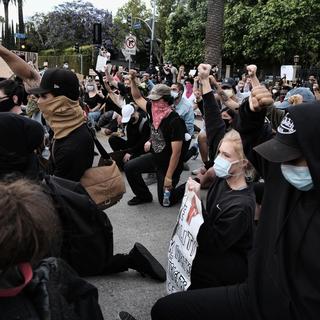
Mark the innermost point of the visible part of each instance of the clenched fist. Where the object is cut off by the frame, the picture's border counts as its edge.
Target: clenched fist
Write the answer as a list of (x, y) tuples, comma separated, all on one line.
[(260, 99)]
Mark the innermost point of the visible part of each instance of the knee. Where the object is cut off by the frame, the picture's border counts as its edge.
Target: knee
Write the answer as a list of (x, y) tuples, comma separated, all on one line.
[(158, 310)]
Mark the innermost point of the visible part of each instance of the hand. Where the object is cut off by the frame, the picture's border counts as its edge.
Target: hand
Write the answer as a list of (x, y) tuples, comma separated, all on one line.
[(147, 146), (260, 98), (126, 157), (315, 87), (196, 79), (119, 119), (167, 183), (132, 74), (204, 70), (194, 186), (252, 70)]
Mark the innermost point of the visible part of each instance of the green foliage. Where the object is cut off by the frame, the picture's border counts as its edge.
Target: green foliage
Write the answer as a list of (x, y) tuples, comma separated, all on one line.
[(186, 31), (265, 31)]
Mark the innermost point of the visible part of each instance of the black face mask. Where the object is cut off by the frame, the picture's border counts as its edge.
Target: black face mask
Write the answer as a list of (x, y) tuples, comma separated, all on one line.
[(6, 105)]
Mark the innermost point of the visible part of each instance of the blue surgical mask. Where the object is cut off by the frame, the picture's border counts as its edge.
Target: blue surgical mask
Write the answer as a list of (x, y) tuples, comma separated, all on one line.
[(299, 177), (174, 94), (222, 167)]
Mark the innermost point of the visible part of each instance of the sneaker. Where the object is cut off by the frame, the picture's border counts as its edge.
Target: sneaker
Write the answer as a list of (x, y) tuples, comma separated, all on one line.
[(136, 200), (145, 263), (125, 316)]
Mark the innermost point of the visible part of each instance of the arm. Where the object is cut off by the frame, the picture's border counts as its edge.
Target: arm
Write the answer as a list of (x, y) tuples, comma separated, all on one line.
[(109, 78), (180, 74), (215, 126), (174, 160), (136, 95), (20, 68)]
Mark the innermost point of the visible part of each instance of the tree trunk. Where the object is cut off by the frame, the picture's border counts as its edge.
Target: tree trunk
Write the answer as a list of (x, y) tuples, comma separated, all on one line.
[(20, 16), (214, 32), (6, 23)]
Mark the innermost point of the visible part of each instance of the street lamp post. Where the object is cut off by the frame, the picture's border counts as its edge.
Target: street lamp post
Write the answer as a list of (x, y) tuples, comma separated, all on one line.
[(152, 30), (296, 59)]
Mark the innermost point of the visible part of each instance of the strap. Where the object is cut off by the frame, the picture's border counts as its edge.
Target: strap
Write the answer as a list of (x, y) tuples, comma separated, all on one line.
[(104, 154), (143, 121)]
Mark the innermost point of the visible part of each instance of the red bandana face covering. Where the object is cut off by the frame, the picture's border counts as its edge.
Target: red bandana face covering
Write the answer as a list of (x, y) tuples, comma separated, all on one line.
[(160, 110), (189, 90)]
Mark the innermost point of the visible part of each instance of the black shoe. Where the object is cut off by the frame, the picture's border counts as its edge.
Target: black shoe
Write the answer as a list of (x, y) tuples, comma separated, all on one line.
[(136, 200), (125, 316), (144, 262)]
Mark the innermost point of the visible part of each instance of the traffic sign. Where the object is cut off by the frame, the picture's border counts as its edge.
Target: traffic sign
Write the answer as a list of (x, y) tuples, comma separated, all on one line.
[(20, 35), (130, 45), (137, 25)]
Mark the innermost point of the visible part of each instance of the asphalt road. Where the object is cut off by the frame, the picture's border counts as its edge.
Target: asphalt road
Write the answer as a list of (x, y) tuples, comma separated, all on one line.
[(151, 225)]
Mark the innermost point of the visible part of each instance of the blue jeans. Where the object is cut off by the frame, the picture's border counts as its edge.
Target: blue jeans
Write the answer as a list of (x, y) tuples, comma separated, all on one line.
[(94, 116)]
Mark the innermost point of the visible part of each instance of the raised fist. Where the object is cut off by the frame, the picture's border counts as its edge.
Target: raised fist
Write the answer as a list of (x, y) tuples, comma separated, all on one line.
[(260, 98), (204, 70), (252, 70)]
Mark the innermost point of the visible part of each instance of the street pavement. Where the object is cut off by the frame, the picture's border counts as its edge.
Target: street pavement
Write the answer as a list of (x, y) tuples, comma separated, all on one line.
[(151, 225)]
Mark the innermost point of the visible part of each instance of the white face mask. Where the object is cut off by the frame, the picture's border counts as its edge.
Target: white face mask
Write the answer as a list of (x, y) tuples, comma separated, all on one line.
[(174, 94), (90, 88), (229, 92), (222, 167), (299, 177)]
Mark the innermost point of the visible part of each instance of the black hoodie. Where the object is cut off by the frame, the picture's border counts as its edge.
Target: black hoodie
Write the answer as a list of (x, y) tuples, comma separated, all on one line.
[(284, 266)]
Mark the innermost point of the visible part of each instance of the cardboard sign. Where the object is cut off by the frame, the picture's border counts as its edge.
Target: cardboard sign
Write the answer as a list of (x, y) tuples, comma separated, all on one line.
[(101, 62), (183, 245)]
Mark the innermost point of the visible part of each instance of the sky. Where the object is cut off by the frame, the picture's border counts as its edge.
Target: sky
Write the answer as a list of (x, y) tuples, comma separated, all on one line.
[(33, 6)]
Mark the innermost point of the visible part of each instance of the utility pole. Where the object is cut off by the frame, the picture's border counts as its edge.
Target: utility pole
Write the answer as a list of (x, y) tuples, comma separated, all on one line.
[(152, 29)]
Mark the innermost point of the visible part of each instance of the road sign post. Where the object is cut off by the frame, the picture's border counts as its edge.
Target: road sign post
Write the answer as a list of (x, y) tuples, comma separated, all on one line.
[(130, 47)]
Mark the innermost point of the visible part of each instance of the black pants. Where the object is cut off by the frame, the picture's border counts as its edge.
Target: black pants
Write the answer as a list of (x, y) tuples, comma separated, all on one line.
[(224, 303), (146, 164), (117, 143)]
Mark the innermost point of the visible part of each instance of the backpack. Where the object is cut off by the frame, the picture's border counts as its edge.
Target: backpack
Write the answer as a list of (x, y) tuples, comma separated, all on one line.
[(55, 292), (87, 241)]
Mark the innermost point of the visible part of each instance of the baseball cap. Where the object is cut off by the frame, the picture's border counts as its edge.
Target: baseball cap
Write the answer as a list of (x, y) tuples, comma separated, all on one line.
[(228, 83), (126, 112), (284, 146), (306, 94), (159, 91), (60, 82)]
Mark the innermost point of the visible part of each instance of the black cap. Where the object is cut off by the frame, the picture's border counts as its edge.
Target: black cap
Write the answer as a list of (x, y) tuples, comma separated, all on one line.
[(284, 146), (228, 83), (60, 82)]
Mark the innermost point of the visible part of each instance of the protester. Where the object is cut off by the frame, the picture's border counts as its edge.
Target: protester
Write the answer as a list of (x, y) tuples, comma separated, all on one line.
[(95, 102), (59, 103), (281, 280), (11, 96), (32, 287), (137, 133), (167, 144)]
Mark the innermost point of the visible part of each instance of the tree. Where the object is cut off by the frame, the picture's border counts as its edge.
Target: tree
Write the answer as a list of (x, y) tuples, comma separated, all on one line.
[(67, 24), (185, 30), (6, 39), (20, 16), (214, 32), (138, 11)]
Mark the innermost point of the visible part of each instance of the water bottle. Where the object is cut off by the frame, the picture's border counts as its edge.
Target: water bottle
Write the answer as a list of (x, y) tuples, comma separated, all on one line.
[(166, 198)]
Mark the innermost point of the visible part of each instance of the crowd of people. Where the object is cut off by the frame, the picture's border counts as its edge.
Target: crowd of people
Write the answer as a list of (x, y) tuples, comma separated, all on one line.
[(257, 248)]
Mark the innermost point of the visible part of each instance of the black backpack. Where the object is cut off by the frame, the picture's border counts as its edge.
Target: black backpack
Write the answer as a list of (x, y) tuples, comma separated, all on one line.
[(55, 292), (87, 231)]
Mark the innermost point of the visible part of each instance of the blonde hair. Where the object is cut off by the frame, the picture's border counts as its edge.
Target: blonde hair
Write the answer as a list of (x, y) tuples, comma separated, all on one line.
[(234, 137)]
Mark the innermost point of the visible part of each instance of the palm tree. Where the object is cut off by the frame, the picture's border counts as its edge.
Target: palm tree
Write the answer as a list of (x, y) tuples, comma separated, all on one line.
[(6, 40), (20, 16), (214, 32)]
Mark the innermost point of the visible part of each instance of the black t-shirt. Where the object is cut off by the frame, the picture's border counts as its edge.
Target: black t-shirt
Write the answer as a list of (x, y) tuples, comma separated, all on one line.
[(92, 102), (171, 129)]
